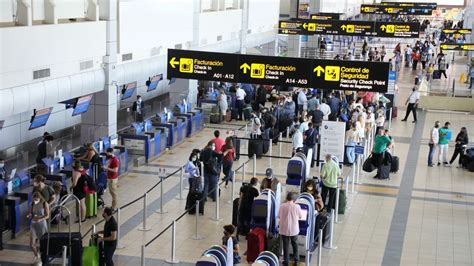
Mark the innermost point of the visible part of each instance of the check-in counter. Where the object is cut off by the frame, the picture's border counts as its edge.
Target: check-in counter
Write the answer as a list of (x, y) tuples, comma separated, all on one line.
[(161, 120)]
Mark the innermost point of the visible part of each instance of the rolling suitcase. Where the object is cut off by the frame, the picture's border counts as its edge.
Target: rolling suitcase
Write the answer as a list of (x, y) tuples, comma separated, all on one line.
[(247, 112), (90, 254), (436, 74), (255, 147), (323, 222), (91, 204), (234, 113), (395, 165), (228, 116), (56, 242), (235, 212), (191, 200), (255, 244), (266, 142), (215, 118), (384, 171)]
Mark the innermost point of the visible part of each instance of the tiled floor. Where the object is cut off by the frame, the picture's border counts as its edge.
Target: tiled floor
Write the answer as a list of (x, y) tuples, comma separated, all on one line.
[(421, 216)]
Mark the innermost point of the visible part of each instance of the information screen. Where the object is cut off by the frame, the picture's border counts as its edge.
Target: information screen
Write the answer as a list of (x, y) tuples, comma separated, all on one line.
[(82, 105), (40, 118), (129, 90), (154, 82)]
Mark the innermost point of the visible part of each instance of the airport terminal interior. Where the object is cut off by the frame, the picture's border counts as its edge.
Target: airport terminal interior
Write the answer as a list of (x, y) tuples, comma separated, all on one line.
[(236, 132)]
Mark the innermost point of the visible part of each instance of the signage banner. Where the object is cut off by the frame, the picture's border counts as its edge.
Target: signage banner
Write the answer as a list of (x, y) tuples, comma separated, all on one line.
[(332, 139), (395, 10), (458, 47), (282, 71), (326, 16), (433, 6), (457, 31), (350, 28)]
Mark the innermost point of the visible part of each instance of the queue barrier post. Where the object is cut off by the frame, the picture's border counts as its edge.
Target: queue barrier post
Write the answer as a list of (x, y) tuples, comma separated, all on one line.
[(320, 246), (173, 259), (243, 173), (196, 234), (232, 187), (162, 209), (145, 214), (280, 137), (94, 230), (287, 132), (217, 218), (359, 166), (331, 231), (354, 177), (143, 256), (181, 178), (65, 260), (270, 151), (254, 165), (119, 243), (336, 215)]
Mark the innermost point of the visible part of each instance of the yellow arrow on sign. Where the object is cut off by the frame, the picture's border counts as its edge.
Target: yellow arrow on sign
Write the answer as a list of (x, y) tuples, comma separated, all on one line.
[(343, 27), (383, 27), (318, 70), (305, 25), (444, 46), (173, 62), (245, 67)]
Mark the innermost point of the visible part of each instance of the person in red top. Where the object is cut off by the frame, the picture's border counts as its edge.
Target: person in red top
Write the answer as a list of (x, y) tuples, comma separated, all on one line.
[(218, 141), (229, 152), (112, 175)]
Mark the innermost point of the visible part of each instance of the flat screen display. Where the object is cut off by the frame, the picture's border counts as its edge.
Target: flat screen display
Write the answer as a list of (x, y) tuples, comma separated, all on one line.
[(154, 82), (82, 105), (129, 89), (40, 118)]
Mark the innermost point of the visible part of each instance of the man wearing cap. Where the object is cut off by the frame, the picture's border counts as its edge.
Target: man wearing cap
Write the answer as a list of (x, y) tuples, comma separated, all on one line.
[(269, 182)]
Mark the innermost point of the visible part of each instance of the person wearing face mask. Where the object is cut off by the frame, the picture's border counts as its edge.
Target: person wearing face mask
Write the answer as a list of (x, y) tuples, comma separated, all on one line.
[(47, 193), (138, 109), (310, 187), (289, 108), (39, 214), (462, 140), (433, 143), (270, 181), (112, 175), (211, 160), (3, 171), (108, 237), (412, 104), (229, 232)]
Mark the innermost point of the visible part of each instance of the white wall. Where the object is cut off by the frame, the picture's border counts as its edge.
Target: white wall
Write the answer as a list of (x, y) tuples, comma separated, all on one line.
[(153, 23), (263, 15), (223, 23), (65, 9), (59, 47)]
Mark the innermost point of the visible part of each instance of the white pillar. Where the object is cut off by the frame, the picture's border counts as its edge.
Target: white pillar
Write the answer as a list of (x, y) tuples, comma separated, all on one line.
[(24, 13), (50, 12)]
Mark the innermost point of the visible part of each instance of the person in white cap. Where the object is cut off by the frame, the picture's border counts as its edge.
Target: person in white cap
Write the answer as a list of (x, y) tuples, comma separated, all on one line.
[(269, 182)]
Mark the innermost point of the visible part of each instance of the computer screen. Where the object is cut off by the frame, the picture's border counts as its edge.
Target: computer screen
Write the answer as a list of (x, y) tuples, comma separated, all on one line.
[(129, 89), (154, 82), (294, 169), (82, 105), (40, 118), (260, 210)]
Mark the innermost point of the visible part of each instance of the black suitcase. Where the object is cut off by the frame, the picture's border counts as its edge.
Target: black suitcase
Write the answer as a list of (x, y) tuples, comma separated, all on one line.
[(323, 219), (234, 113), (236, 143), (395, 165), (436, 74), (266, 142), (56, 243), (255, 147), (215, 118), (384, 171), (235, 212), (191, 200)]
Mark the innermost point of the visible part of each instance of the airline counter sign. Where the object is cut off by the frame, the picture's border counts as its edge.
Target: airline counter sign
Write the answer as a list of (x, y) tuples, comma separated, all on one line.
[(201, 65), (326, 16), (307, 27), (295, 72), (458, 47), (432, 6), (395, 10)]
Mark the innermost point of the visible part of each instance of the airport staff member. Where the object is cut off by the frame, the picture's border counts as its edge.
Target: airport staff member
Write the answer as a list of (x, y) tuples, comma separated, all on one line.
[(108, 236), (138, 109)]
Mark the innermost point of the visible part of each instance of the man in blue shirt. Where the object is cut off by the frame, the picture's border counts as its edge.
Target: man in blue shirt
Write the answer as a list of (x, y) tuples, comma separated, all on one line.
[(335, 104), (472, 77)]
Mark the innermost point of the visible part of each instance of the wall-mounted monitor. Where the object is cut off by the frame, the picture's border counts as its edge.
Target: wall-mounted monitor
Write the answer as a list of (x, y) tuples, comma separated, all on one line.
[(128, 90), (40, 118), (82, 105), (172, 80), (154, 81)]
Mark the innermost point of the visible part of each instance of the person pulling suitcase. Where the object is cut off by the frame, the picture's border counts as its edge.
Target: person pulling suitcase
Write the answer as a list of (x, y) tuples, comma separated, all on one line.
[(381, 143)]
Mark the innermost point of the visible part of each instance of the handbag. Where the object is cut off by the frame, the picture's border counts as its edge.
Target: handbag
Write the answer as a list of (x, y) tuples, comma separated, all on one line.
[(368, 165)]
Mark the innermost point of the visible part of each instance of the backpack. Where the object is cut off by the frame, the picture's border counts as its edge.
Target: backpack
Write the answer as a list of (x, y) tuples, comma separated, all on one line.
[(89, 186)]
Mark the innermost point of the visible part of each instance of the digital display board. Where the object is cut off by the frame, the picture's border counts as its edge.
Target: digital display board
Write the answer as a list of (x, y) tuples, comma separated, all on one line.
[(82, 105), (281, 71), (350, 28), (128, 90), (40, 118), (154, 82)]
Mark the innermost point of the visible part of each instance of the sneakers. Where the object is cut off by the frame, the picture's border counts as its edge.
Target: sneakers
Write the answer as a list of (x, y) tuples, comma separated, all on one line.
[(439, 164)]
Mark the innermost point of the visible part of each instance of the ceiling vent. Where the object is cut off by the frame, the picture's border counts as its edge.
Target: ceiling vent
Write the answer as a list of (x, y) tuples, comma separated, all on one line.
[(42, 73)]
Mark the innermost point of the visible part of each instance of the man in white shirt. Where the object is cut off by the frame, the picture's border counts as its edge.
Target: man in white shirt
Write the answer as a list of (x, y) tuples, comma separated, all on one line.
[(240, 96), (302, 100), (412, 104), (433, 143), (297, 139), (256, 126), (326, 109)]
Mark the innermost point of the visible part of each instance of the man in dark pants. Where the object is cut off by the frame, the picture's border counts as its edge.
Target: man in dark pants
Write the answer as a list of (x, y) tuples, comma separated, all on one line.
[(2, 220), (290, 213), (309, 142), (381, 143), (412, 104), (108, 237), (240, 97)]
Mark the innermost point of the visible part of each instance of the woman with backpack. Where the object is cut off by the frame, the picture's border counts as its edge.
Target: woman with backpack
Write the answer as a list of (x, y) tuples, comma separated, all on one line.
[(79, 181), (462, 140)]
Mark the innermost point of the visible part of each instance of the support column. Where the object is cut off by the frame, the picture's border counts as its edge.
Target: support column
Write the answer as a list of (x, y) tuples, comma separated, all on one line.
[(101, 120), (24, 13), (93, 10), (244, 26), (50, 12)]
